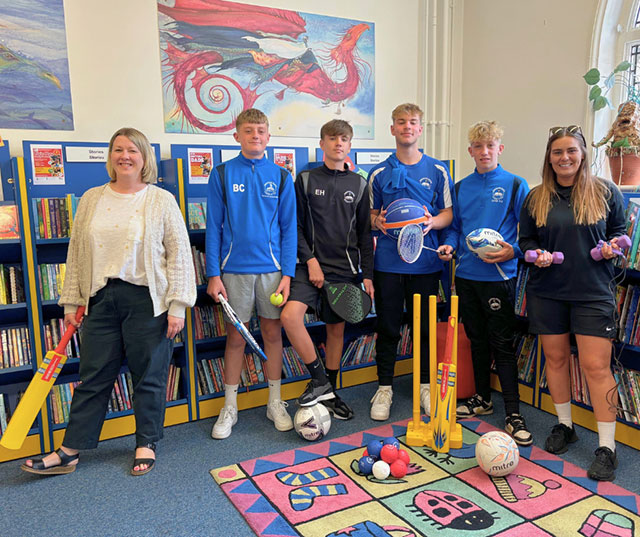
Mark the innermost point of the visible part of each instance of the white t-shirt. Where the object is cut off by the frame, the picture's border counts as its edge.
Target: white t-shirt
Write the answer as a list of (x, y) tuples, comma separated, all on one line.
[(117, 234)]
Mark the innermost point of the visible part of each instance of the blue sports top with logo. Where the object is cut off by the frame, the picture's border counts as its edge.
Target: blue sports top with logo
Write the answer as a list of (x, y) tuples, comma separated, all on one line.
[(492, 200), (426, 182), (251, 226)]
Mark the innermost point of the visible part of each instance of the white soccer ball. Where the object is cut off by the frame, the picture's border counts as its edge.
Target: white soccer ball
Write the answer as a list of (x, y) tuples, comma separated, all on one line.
[(312, 422), (483, 240), (497, 453)]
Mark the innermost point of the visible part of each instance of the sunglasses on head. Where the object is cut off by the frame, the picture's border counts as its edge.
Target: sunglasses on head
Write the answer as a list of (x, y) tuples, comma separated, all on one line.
[(571, 129)]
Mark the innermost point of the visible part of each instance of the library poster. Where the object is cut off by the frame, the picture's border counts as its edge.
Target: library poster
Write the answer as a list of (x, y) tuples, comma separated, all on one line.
[(47, 166), (286, 158), (35, 92), (220, 58), (200, 165)]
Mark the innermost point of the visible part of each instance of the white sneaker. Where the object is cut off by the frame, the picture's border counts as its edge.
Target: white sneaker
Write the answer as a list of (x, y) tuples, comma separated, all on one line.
[(277, 413), (226, 420), (425, 398), (381, 403)]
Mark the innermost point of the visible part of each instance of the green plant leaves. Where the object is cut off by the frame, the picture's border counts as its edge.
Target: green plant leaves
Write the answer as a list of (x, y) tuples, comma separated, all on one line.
[(592, 76), (595, 92), (600, 102), (622, 143), (622, 66)]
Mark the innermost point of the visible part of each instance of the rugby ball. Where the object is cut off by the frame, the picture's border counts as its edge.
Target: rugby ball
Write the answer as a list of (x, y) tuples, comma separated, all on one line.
[(483, 240), (404, 211)]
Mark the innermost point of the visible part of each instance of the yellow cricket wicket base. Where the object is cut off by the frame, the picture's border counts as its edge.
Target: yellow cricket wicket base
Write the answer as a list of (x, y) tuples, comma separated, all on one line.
[(420, 433)]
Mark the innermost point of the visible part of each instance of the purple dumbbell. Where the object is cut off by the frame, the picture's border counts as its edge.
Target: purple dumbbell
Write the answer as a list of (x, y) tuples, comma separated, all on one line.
[(530, 256), (623, 242)]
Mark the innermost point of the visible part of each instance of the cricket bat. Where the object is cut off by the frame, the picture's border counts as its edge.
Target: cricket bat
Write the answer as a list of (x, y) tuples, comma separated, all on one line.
[(37, 391), (445, 402)]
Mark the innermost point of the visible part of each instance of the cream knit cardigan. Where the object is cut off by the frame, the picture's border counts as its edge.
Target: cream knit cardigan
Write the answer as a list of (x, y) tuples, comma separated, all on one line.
[(167, 254)]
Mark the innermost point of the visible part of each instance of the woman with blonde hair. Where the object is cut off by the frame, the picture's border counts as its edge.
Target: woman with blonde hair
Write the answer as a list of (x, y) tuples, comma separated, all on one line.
[(129, 263), (570, 212)]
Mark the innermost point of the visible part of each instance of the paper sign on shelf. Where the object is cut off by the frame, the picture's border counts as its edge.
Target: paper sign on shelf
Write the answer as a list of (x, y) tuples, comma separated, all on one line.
[(86, 153), (366, 157), (200, 164), (46, 164)]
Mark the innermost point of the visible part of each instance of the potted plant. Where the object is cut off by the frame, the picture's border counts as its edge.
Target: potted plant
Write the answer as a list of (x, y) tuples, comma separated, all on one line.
[(623, 138)]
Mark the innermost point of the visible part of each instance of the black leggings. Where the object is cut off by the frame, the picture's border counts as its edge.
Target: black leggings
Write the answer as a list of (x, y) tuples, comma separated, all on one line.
[(392, 291)]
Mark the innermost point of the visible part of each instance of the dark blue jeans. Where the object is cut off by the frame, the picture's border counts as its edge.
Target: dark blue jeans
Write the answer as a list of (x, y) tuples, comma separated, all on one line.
[(120, 324)]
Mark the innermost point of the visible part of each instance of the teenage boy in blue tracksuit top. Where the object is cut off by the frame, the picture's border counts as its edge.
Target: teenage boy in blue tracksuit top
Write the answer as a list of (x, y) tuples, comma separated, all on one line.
[(251, 253), (405, 174), (490, 197)]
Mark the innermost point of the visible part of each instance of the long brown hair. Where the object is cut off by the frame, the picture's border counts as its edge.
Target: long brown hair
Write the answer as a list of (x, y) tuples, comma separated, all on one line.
[(588, 197)]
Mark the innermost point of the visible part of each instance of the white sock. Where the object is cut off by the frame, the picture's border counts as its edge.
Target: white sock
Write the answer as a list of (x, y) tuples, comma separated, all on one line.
[(607, 434), (385, 389), (231, 395), (424, 387), (564, 413), (274, 390)]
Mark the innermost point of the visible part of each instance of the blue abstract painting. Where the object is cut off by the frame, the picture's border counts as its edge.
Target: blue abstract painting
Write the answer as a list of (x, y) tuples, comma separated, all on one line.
[(35, 91), (301, 69)]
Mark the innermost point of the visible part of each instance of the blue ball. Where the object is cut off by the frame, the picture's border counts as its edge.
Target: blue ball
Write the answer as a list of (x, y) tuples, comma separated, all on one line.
[(391, 440), (373, 449), (365, 464)]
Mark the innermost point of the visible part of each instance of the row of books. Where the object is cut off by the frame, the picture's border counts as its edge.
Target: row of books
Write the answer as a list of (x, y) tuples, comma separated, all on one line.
[(526, 352), (53, 330), (11, 284), (209, 321), (579, 388), (15, 347), (211, 374), (54, 216), (362, 350), (197, 211), (628, 393), (120, 399), (627, 299), (292, 364), (520, 306), (199, 263), (51, 278), (632, 257), (5, 413)]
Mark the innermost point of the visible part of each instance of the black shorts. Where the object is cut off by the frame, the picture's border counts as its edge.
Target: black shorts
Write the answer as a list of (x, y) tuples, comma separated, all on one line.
[(582, 317), (302, 290)]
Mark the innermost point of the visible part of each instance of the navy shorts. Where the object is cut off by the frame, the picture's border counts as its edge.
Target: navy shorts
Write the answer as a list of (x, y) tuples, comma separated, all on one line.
[(302, 290), (583, 317)]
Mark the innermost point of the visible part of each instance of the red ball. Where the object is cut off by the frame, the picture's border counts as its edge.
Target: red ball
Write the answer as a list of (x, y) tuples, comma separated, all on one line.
[(403, 455), (389, 453), (398, 468), (365, 453)]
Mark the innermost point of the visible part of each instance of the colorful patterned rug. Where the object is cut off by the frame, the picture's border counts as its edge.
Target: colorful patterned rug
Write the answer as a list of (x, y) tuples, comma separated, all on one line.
[(316, 491)]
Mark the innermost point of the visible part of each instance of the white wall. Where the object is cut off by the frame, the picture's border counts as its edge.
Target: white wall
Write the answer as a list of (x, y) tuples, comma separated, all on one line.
[(522, 65), (114, 63)]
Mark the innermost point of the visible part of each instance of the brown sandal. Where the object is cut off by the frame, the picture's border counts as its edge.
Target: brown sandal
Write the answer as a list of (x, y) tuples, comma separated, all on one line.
[(63, 467), (149, 462)]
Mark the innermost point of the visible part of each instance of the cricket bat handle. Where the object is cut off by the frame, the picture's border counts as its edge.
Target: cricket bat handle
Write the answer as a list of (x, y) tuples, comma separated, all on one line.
[(68, 333)]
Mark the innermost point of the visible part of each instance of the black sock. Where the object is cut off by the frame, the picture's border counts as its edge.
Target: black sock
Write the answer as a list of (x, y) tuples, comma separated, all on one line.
[(333, 376), (316, 370)]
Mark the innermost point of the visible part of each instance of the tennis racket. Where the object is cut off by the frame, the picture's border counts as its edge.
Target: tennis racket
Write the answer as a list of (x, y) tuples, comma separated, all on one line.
[(348, 301), (411, 243), (240, 327)]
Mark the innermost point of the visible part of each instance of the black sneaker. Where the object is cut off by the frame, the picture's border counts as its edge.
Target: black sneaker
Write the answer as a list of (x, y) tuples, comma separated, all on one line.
[(561, 435), (603, 467), (338, 408), (474, 406), (517, 428), (316, 392)]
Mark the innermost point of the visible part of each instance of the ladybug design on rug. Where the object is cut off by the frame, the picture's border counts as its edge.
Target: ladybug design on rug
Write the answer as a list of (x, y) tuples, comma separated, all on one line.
[(449, 510)]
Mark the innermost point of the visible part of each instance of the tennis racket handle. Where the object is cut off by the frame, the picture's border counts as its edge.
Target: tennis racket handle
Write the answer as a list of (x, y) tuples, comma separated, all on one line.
[(623, 242), (530, 256)]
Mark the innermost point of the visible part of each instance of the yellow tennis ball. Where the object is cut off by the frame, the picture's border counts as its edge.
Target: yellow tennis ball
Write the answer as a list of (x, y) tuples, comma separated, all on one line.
[(276, 299)]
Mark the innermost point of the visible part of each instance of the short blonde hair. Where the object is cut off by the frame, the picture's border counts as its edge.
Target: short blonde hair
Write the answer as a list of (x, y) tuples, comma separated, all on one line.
[(485, 130), (252, 115), (407, 108), (149, 169)]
